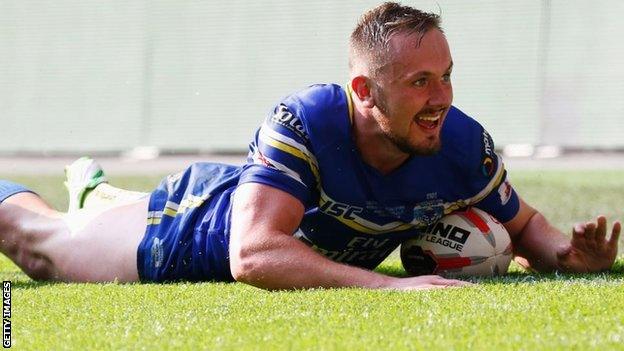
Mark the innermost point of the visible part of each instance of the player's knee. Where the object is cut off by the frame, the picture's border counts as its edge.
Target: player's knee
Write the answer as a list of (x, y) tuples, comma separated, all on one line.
[(39, 268), (26, 242)]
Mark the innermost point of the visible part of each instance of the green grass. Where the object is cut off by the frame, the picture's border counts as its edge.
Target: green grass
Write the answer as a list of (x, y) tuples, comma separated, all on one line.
[(518, 311)]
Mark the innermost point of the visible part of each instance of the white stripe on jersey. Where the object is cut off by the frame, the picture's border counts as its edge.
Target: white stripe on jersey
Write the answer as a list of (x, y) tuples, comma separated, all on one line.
[(288, 145), (267, 131), (364, 225), (496, 180), (289, 172)]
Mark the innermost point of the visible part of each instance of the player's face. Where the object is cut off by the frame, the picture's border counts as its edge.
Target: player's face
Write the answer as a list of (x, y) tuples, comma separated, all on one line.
[(413, 92)]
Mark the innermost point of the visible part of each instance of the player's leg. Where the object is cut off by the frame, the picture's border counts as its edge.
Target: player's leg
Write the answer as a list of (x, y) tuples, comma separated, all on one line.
[(86, 245), (88, 187)]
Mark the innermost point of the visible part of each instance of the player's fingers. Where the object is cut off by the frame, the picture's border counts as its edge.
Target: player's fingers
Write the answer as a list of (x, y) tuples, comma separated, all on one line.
[(601, 229), (578, 234), (452, 282), (426, 282), (441, 281), (615, 234), (433, 279), (590, 232), (426, 287)]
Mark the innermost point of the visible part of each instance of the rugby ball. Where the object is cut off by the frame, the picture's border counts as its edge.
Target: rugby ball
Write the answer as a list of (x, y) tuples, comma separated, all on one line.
[(465, 243)]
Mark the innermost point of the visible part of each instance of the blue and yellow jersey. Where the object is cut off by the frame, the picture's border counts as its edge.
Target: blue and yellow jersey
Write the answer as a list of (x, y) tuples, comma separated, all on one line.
[(354, 214)]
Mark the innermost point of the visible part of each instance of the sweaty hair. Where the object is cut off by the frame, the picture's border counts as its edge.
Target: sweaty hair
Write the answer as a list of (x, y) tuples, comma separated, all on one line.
[(370, 38)]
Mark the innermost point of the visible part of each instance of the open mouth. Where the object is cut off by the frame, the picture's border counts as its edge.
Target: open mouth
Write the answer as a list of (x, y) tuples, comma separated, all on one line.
[(429, 120)]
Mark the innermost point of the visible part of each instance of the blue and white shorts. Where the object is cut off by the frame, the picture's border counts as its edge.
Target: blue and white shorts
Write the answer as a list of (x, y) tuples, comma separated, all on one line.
[(187, 235)]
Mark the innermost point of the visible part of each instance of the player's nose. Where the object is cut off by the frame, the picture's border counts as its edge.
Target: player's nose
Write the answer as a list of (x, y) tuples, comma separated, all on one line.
[(440, 94)]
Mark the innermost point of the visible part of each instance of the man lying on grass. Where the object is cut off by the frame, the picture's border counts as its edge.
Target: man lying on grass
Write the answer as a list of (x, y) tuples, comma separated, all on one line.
[(335, 180)]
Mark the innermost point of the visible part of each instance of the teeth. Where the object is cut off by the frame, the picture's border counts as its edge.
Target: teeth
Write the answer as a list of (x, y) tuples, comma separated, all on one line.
[(429, 118)]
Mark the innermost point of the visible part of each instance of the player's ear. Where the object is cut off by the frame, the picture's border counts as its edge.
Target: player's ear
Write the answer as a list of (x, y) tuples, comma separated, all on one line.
[(362, 90)]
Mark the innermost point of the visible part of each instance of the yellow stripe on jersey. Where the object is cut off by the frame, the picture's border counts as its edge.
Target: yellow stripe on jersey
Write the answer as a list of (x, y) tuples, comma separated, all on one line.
[(154, 217), (363, 225), (153, 220), (295, 152), (349, 91), (168, 211), (495, 182), (289, 172), (172, 209), (361, 228)]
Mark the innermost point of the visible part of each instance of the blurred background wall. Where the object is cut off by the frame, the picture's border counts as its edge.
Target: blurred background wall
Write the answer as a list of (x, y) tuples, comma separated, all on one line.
[(101, 76)]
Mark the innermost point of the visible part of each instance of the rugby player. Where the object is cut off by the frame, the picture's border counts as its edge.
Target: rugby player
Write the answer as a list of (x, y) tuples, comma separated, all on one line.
[(336, 178)]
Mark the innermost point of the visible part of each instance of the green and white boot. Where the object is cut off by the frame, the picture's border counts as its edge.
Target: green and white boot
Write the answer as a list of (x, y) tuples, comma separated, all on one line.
[(82, 176)]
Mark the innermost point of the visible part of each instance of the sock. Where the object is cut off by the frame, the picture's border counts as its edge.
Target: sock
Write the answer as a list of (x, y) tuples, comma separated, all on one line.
[(8, 188), (105, 194)]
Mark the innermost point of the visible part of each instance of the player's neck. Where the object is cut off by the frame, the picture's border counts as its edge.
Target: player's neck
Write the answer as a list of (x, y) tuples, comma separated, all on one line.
[(374, 147)]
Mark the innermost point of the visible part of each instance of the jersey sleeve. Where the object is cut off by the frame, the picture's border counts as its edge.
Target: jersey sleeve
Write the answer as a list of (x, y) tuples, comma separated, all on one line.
[(496, 195), (281, 156)]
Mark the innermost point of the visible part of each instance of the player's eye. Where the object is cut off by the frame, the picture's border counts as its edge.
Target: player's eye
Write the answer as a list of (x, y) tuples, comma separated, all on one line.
[(420, 82), (447, 77)]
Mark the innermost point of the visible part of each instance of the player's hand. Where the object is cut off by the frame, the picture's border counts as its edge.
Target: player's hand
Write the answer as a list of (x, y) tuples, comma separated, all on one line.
[(589, 250), (426, 282)]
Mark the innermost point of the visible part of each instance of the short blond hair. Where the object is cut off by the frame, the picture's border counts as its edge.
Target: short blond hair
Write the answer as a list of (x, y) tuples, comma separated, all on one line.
[(370, 38)]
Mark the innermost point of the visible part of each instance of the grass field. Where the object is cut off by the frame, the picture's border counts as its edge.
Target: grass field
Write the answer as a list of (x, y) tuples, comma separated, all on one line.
[(518, 311)]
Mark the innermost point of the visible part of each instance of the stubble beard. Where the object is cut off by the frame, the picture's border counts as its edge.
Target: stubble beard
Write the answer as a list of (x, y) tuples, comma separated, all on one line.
[(404, 144)]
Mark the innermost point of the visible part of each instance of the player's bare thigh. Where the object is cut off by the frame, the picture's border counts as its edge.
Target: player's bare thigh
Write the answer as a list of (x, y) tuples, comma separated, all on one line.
[(100, 244)]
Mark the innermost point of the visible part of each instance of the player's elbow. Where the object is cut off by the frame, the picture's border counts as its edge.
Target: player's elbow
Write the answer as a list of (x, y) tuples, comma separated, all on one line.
[(245, 265), (242, 269)]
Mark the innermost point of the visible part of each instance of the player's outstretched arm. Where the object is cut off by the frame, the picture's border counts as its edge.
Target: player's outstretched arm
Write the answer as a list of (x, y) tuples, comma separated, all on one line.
[(540, 246), (264, 253)]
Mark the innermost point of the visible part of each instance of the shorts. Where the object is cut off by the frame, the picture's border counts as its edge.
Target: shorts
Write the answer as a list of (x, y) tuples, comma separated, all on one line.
[(187, 234)]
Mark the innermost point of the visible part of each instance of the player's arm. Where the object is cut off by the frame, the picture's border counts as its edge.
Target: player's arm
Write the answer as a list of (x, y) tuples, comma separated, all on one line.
[(264, 253), (537, 244), (542, 247)]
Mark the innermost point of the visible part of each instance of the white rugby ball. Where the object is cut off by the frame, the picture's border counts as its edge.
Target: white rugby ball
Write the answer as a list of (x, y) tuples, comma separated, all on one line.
[(465, 243)]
